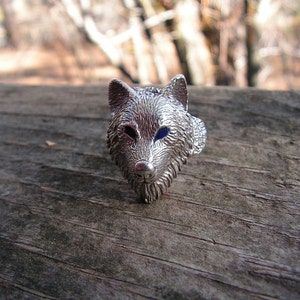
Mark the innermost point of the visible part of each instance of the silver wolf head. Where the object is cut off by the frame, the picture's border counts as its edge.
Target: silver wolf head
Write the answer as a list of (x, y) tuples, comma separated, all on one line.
[(151, 134)]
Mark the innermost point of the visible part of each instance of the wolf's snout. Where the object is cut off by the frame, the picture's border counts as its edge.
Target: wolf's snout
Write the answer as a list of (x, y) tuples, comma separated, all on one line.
[(144, 168)]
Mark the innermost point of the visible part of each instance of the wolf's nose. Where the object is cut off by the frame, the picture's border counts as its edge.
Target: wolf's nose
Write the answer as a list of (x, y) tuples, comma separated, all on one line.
[(144, 168)]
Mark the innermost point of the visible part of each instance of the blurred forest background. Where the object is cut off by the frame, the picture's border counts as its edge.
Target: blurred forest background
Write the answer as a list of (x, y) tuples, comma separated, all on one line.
[(213, 42)]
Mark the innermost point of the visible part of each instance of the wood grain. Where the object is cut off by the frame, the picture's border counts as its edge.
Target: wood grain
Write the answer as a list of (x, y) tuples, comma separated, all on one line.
[(71, 228)]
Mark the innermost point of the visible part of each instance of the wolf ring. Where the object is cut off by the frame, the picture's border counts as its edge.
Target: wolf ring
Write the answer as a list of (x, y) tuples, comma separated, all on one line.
[(151, 134)]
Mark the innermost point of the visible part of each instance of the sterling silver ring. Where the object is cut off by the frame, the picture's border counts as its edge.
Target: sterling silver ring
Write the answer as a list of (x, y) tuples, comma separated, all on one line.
[(151, 134)]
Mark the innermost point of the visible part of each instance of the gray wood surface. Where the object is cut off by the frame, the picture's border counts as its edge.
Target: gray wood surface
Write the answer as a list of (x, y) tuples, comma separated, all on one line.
[(71, 228)]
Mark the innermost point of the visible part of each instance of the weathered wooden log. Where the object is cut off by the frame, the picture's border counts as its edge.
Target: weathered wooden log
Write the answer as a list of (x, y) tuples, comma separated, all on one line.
[(71, 228)]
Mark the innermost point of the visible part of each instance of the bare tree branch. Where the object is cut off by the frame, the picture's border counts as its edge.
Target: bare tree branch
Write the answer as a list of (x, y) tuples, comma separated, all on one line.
[(86, 24), (159, 18)]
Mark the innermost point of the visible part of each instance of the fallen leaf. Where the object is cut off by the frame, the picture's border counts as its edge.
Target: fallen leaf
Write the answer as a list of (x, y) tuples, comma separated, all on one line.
[(50, 144)]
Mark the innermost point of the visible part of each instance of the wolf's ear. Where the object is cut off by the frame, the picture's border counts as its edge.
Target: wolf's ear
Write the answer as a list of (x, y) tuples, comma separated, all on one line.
[(177, 88), (119, 93)]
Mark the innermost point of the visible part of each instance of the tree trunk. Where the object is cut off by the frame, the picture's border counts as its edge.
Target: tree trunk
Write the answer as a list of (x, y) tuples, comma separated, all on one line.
[(140, 43), (233, 54), (240, 55), (192, 41), (163, 49), (9, 20)]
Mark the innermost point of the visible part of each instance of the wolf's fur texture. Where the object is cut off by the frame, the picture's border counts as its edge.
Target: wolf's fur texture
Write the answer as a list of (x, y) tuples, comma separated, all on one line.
[(151, 134)]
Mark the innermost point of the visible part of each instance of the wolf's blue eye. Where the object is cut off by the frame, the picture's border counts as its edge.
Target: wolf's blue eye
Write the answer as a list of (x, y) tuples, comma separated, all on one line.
[(161, 133)]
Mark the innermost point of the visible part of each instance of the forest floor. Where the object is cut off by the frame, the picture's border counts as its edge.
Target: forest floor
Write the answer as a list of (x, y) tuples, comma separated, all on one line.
[(57, 65), (54, 66)]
